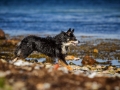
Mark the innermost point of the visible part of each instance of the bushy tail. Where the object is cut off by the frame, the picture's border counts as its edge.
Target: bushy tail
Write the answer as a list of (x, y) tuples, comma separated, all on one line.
[(24, 49), (18, 50), (16, 53)]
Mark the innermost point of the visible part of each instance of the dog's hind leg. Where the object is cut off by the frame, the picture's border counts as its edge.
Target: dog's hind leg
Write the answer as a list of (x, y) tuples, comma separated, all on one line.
[(22, 52), (14, 60), (16, 53)]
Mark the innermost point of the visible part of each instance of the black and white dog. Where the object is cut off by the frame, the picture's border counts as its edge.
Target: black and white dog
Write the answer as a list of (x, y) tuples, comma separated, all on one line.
[(50, 46)]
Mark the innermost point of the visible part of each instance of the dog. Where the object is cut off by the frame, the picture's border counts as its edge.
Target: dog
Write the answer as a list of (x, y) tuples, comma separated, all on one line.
[(53, 47)]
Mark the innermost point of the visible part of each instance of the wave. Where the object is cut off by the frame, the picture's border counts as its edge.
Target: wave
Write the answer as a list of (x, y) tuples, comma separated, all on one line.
[(62, 3)]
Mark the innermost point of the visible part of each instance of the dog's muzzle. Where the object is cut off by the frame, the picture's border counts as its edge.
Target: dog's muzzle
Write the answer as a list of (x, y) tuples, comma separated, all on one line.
[(75, 42)]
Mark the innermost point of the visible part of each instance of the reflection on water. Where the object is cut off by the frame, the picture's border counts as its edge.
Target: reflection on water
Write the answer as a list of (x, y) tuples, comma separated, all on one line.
[(78, 62), (114, 62)]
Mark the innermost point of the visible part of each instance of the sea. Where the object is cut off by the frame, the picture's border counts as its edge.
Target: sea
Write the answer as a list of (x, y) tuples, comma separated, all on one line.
[(41, 17)]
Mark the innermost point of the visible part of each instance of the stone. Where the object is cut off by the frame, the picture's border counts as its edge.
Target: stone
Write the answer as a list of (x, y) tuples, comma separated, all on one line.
[(2, 34), (12, 41), (95, 50), (87, 60), (71, 57)]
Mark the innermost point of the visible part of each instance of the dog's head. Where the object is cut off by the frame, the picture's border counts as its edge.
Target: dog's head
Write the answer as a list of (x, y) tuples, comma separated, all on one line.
[(67, 38)]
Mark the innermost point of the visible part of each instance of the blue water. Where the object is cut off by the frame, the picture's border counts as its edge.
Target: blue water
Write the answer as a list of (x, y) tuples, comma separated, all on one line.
[(87, 17)]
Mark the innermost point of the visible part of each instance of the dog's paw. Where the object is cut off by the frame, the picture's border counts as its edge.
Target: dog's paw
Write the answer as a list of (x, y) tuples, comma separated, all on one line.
[(69, 68)]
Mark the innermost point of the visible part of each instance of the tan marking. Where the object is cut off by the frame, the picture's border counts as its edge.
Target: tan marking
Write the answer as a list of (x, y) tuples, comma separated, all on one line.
[(63, 64)]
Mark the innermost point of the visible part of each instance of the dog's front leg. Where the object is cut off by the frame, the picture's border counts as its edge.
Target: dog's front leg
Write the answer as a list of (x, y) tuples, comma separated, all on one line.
[(64, 63)]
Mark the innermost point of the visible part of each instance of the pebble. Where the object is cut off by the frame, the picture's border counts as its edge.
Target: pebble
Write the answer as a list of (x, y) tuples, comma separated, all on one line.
[(22, 63), (92, 75), (87, 70), (48, 65), (2, 34), (43, 86), (3, 74)]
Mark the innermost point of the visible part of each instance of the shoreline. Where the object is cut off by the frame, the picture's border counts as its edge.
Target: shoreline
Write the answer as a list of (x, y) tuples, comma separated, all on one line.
[(77, 34), (47, 76)]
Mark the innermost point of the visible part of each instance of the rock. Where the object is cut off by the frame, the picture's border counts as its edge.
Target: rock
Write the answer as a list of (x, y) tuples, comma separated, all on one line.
[(118, 70), (19, 85), (71, 63), (43, 86), (85, 68), (99, 68), (3, 66), (71, 57), (12, 41), (75, 67), (22, 63), (48, 65), (92, 75), (2, 74), (95, 50), (3, 61), (2, 34), (87, 60)]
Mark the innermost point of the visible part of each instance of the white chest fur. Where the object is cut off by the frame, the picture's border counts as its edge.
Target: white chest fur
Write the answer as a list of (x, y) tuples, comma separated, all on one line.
[(64, 51)]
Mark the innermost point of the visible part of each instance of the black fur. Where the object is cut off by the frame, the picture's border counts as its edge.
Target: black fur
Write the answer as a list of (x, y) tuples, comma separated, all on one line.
[(50, 46)]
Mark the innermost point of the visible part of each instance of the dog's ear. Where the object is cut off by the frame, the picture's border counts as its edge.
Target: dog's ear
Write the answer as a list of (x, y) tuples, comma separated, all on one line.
[(72, 31), (69, 31)]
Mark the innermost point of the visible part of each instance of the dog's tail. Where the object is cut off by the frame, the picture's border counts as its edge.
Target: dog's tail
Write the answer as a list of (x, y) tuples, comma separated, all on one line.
[(16, 53), (18, 50)]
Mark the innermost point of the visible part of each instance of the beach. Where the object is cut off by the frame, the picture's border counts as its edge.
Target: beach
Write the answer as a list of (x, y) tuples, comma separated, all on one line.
[(95, 60), (38, 72)]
